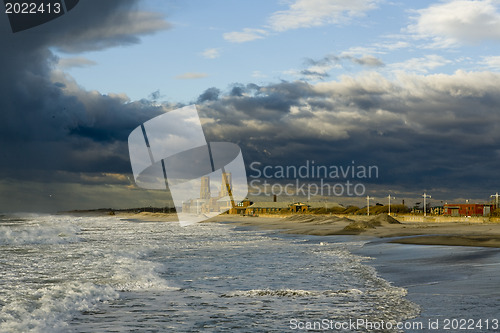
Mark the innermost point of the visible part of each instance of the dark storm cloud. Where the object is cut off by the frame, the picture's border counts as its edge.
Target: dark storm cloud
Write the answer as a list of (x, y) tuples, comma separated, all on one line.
[(47, 122), (436, 132), (211, 94), (237, 90), (155, 95), (92, 25)]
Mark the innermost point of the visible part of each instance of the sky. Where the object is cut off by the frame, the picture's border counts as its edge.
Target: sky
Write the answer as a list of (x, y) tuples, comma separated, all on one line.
[(410, 87)]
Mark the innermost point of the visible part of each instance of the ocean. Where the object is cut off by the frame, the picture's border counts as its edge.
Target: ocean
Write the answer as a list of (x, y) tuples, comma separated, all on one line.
[(64, 273)]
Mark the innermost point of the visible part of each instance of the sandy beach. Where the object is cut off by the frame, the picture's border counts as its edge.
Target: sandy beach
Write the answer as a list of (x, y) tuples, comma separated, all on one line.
[(486, 234)]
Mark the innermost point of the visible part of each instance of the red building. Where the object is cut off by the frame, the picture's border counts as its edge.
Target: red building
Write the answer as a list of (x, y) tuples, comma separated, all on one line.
[(467, 209)]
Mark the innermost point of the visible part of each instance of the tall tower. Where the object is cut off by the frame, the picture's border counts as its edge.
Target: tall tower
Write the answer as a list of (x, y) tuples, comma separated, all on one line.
[(226, 184), (205, 188)]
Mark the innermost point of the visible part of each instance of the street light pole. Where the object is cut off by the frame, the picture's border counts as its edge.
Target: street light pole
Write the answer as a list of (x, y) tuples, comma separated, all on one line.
[(425, 195), (389, 196), (496, 198), (368, 204)]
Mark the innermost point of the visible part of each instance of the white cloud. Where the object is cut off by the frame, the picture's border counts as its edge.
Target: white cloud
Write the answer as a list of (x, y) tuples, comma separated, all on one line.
[(492, 62), (258, 74), (311, 13), (191, 76), (359, 50), (211, 53), (246, 35), (457, 22), (393, 46), (420, 65), (305, 14)]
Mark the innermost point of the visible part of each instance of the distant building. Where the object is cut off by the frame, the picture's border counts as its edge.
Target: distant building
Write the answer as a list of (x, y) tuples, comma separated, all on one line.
[(268, 207), (437, 210), (241, 207), (205, 188), (207, 203), (299, 207), (467, 209)]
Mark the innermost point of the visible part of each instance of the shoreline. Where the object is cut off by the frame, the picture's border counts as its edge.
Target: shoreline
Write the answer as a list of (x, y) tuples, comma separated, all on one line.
[(384, 227)]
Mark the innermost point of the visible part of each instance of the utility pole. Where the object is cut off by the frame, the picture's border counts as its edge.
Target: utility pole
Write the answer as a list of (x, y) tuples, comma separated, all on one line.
[(368, 204), (425, 195), (496, 198), (389, 196)]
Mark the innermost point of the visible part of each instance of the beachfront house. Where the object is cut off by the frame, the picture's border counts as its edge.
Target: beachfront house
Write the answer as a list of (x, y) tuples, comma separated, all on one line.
[(467, 209), (267, 207)]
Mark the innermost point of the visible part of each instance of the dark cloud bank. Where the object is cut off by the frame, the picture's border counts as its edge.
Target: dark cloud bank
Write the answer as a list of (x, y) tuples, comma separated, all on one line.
[(438, 133), (51, 131), (63, 147)]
